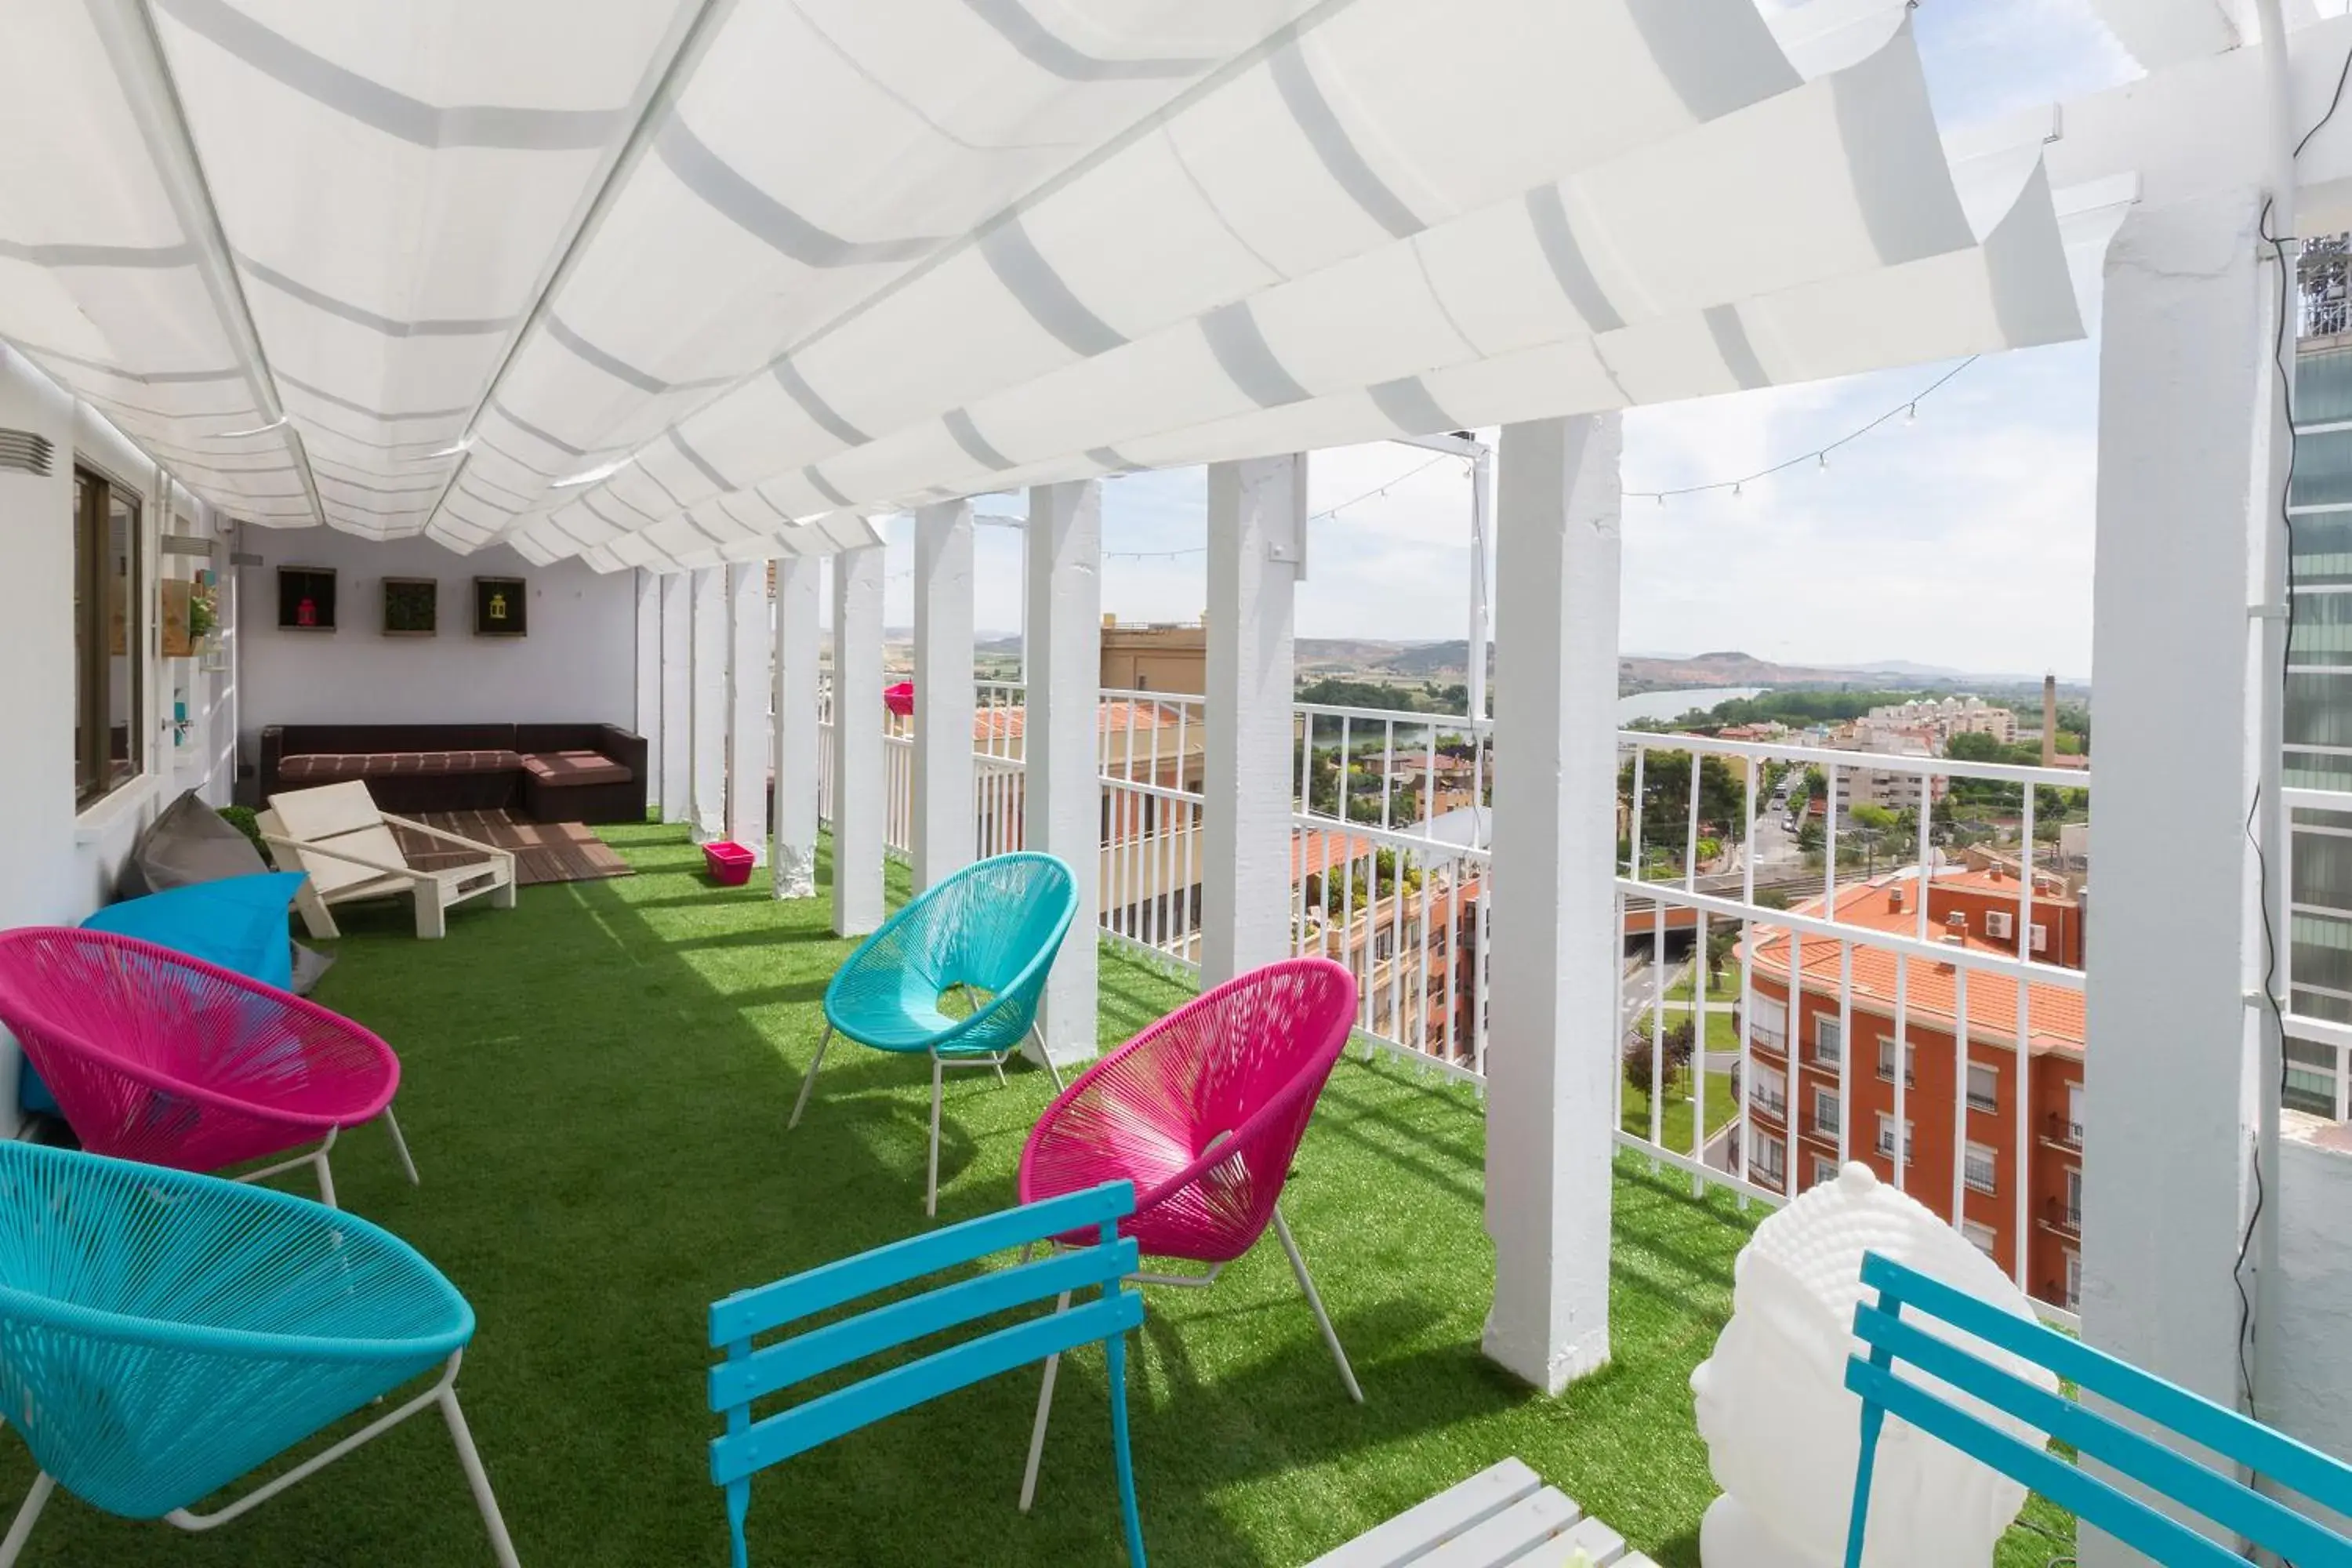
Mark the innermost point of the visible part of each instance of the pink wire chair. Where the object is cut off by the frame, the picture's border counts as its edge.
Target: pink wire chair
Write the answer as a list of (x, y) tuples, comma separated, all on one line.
[(160, 1058), (1203, 1111)]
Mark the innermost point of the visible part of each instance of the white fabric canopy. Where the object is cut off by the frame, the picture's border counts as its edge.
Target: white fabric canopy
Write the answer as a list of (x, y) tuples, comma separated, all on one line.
[(664, 285)]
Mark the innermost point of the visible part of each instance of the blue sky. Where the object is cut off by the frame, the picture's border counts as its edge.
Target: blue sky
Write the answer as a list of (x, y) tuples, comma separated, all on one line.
[(1963, 539)]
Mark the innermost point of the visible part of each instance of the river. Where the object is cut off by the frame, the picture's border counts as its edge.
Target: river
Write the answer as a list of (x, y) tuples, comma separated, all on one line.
[(1675, 704)]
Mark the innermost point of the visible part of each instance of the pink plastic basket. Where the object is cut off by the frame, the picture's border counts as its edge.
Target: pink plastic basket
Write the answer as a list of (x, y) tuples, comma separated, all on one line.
[(728, 863)]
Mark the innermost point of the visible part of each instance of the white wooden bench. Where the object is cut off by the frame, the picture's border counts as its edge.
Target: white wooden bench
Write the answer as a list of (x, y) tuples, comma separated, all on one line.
[(1503, 1517)]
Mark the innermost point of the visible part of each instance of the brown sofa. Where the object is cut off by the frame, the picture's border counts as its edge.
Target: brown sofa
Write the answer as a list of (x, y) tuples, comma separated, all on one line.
[(554, 772)]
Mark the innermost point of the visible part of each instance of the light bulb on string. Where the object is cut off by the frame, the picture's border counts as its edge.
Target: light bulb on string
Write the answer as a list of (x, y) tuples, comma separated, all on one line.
[(1910, 413), (1822, 462)]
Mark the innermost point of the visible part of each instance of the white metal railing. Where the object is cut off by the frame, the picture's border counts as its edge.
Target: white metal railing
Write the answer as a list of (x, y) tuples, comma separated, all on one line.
[(1391, 876), (1882, 977), (2318, 830)]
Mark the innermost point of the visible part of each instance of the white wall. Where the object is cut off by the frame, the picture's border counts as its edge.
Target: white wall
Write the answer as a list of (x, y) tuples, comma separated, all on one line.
[(578, 663)]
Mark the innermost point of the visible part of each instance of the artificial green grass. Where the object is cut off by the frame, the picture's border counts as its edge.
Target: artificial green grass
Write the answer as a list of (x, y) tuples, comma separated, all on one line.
[(595, 1086)]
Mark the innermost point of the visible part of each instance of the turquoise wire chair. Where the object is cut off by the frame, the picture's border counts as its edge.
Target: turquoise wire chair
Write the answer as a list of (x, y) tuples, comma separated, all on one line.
[(990, 931), (162, 1334), (751, 1374)]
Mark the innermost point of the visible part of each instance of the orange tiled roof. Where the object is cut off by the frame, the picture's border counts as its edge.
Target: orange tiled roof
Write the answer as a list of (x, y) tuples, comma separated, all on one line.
[(2054, 1014), (1013, 722)]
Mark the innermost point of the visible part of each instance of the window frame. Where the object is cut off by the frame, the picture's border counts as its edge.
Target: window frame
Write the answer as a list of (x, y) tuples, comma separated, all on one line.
[(1972, 1155), (1826, 1023), (95, 494), (1989, 1104), (1833, 1125)]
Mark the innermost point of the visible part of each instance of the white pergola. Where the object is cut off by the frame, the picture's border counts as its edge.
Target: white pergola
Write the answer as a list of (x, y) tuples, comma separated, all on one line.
[(688, 288)]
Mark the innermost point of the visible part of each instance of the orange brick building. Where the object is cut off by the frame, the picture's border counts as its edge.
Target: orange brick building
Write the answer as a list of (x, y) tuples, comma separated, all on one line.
[(1966, 1133)]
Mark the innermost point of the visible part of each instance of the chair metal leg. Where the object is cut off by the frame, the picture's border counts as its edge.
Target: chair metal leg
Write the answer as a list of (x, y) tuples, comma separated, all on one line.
[(326, 1171), (931, 1182), (470, 1459), (1046, 1055), (1322, 1318), (400, 1146), (22, 1529), (809, 1082), (1045, 1410)]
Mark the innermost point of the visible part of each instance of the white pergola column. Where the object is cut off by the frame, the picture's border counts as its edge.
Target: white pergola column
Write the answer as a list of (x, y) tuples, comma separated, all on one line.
[(943, 827), (793, 856), (747, 746), (678, 697), (706, 701), (1258, 532), (649, 679), (859, 799), (1552, 999), (2173, 949), (1061, 789)]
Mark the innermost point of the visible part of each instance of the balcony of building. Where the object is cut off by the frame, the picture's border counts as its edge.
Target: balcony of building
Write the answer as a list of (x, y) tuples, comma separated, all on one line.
[(637, 383)]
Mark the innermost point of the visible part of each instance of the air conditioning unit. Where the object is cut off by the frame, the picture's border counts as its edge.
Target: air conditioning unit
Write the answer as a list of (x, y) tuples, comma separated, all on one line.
[(1999, 924), (2041, 939)]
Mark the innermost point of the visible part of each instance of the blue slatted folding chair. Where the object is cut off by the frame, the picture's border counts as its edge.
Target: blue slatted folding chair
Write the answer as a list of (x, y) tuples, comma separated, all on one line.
[(991, 932), (2211, 1494), (750, 1372)]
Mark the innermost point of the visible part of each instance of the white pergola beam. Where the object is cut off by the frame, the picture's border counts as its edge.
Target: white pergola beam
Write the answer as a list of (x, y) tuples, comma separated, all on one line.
[(677, 697), (859, 799), (1553, 993), (792, 856), (1063, 784), (707, 806), (2184, 366), (1258, 528), (944, 832), (747, 745)]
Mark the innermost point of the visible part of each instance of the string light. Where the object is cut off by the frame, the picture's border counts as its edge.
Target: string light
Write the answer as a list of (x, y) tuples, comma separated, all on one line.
[(1908, 410)]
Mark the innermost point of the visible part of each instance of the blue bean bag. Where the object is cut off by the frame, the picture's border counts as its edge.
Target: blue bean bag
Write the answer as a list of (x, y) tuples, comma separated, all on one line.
[(237, 923)]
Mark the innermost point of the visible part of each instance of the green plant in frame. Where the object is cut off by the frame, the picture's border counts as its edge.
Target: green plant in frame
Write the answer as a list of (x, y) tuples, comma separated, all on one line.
[(411, 606)]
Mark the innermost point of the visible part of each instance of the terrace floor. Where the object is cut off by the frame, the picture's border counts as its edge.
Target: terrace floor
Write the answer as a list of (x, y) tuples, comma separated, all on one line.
[(595, 1086)]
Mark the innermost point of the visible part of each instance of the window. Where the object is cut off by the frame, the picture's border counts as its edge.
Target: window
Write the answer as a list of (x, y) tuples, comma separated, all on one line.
[(1886, 1061), (1886, 1138), (1770, 1091), (1829, 1040), (1825, 1112), (109, 730), (1771, 1029), (2073, 1279), (1984, 1087), (1980, 1235), (1980, 1168), (1767, 1159), (2073, 1198), (2075, 1113), (1825, 1170)]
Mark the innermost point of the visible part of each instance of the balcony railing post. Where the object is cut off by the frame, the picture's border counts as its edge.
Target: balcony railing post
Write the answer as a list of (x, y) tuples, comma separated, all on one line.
[(943, 827), (678, 697), (1257, 528), (793, 857), (707, 705), (747, 706), (649, 680), (1062, 782), (2185, 382), (1555, 942), (860, 802)]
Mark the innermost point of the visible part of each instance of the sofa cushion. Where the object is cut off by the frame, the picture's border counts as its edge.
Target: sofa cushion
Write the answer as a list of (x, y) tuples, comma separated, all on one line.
[(562, 768), (334, 767)]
